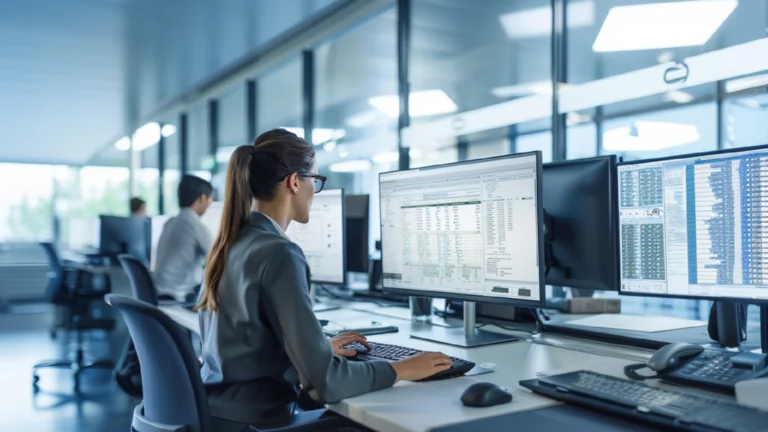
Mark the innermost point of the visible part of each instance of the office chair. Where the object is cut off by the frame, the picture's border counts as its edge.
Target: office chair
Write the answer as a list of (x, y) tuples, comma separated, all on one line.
[(141, 282), (174, 396), (73, 291)]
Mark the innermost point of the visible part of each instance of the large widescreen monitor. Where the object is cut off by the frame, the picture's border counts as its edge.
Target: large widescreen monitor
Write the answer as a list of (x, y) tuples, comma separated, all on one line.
[(468, 231), (696, 226)]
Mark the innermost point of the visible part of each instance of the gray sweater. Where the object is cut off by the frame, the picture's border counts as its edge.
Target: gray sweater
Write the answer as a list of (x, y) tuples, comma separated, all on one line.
[(265, 340)]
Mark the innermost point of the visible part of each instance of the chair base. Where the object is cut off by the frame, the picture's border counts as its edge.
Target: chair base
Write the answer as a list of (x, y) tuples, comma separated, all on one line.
[(77, 366)]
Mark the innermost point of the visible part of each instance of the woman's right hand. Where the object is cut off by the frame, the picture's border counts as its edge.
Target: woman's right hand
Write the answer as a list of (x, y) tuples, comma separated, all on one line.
[(422, 365)]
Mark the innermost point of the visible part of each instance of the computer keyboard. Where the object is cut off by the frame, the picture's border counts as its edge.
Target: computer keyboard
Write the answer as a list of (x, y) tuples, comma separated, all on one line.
[(670, 409), (387, 352)]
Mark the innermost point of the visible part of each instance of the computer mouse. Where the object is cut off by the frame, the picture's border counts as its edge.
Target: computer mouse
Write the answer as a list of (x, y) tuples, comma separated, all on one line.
[(485, 394), (668, 356)]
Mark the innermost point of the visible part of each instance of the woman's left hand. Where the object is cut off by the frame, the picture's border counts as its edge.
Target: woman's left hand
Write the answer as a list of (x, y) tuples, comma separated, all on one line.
[(347, 338)]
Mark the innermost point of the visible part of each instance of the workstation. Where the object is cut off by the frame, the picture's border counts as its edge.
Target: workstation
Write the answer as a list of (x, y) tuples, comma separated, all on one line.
[(440, 223), (524, 214)]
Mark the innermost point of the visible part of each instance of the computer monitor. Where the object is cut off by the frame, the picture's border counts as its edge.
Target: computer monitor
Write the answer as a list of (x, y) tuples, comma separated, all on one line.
[(695, 227), (125, 235), (581, 216), (83, 234), (469, 231), (356, 210), (156, 230), (212, 217), (322, 238)]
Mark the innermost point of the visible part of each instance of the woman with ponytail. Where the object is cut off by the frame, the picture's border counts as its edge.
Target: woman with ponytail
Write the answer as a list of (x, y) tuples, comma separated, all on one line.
[(261, 340)]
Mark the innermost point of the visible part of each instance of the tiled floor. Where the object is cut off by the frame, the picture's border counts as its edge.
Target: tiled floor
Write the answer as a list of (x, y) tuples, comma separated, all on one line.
[(24, 340)]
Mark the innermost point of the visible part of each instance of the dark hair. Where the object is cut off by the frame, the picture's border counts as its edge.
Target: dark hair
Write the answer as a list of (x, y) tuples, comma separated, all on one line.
[(254, 171), (136, 204), (191, 188)]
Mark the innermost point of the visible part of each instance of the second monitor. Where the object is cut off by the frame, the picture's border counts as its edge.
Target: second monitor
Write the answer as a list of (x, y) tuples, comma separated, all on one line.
[(322, 238)]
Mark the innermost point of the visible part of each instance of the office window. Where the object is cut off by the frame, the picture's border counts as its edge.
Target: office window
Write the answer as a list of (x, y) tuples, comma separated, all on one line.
[(581, 141), (745, 121), (182, 43), (26, 209), (689, 129), (608, 38), (536, 141), (199, 157), (172, 172), (231, 134), (279, 101), (354, 140), (148, 178), (475, 54)]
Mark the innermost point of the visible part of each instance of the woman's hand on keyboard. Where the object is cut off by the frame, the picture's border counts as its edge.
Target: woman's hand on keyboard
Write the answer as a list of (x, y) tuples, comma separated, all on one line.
[(421, 366), (348, 338)]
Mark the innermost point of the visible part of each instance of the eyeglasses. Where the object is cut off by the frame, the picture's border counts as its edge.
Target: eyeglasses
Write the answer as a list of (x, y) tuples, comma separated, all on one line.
[(318, 180)]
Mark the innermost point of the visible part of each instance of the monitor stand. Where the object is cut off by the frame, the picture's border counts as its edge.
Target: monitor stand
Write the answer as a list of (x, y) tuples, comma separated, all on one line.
[(468, 336)]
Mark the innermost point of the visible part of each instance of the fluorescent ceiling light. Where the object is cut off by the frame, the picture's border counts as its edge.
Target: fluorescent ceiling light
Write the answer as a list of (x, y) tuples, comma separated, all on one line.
[(146, 136), (738, 84), (662, 25), (385, 157), (168, 130), (537, 22), (543, 88), (123, 144), (319, 135), (329, 146), (643, 136), (351, 166), (421, 103), (678, 96)]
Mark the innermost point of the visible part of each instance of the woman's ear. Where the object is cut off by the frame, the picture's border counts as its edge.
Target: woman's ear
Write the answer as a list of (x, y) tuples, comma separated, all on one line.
[(293, 183)]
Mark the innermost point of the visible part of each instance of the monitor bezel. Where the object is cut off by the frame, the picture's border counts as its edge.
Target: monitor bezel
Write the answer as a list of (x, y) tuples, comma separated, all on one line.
[(477, 298), (343, 282), (669, 158)]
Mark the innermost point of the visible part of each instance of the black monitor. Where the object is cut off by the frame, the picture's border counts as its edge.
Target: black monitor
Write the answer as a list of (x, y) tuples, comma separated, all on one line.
[(125, 235), (468, 231), (356, 210), (695, 227), (581, 217)]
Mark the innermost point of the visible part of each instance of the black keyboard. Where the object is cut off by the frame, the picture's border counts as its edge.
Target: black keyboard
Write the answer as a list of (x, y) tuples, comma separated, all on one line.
[(669, 409), (386, 352)]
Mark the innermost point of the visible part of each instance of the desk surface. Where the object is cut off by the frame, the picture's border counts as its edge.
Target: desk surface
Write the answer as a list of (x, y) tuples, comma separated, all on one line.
[(424, 406)]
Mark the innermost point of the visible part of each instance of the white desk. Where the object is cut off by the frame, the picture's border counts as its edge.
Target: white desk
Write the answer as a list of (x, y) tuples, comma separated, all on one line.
[(422, 406)]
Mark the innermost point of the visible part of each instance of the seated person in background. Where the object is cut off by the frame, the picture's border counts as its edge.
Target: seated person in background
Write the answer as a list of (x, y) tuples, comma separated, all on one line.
[(261, 340), (138, 207), (184, 243)]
